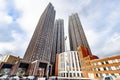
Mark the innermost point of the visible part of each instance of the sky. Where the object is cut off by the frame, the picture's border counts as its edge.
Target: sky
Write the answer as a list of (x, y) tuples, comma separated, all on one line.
[(99, 18)]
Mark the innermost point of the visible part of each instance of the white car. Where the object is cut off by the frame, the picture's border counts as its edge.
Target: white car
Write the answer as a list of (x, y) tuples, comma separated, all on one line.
[(31, 77), (4, 77), (14, 78)]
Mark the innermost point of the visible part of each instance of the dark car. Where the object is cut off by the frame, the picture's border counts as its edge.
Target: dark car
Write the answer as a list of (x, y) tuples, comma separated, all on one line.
[(108, 78)]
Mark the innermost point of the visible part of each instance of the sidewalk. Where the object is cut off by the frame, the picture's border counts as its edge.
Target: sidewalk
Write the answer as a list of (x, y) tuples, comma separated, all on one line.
[(66, 78), (41, 78)]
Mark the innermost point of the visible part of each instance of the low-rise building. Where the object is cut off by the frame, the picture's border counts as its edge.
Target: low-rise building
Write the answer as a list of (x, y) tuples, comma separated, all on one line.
[(7, 63), (13, 65), (68, 64), (85, 57), (109, 66), (93, 67), (11, 59)]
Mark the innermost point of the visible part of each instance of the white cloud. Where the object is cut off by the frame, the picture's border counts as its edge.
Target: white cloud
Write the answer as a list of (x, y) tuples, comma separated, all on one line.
[(2, 5), (91, 18), (17, 47), (6, 19), (112, 45), (31, 12), (101, 24), (7, 46), (20, 43)]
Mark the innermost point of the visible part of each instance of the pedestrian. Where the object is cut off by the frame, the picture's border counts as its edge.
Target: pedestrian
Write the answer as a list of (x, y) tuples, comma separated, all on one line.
[(56, 78), (46, 78)]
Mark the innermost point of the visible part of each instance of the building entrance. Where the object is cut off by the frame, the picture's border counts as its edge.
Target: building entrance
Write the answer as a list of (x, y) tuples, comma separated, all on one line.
[(5, 69), (22, 69), (42, 69)]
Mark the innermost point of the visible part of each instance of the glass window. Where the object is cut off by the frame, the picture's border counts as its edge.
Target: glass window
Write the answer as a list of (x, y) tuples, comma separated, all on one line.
[(106, 62), (117, 67), (64, 75), (70, 74), (113, 75), (100, 75), (77, 74), (74, 74), (104, 68), (109, 68), (98, 69), (96, 75), (102, 62), (73, 65)]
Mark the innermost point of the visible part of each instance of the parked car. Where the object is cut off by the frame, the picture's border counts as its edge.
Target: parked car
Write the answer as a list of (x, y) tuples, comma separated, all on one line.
[(31, 77), (15, 78), (3, 77), (108, 78)]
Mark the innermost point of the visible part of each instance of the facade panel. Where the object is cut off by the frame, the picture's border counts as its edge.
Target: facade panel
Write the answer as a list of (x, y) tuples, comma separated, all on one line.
[(68, 64)]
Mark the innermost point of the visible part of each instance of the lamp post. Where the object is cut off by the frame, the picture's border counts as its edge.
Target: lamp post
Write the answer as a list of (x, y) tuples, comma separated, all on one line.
[(65, 43)]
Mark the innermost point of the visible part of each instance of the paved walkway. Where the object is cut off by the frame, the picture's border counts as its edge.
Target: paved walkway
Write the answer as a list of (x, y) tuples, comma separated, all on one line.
[(65, 78)]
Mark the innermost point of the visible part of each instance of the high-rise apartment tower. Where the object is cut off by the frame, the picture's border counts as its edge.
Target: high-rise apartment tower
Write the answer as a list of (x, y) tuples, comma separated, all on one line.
[(40, 46), (58, 42), (76, 33)]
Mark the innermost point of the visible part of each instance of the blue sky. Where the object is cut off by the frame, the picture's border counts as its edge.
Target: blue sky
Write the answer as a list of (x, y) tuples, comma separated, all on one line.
[(99, 18)]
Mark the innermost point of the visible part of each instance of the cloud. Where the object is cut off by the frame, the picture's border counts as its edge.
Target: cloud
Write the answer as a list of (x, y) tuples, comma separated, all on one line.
[(100, 20), (5, 18), (8, 27), (113, 43)]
